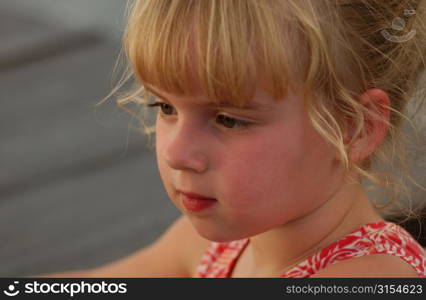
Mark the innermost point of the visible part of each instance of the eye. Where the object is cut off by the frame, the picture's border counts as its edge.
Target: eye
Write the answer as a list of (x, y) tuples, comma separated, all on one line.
[(226, 121), (163, 106), (230, 122)]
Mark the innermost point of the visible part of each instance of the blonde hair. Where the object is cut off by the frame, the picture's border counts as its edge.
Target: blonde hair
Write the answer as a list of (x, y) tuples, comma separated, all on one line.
[(334, 49)]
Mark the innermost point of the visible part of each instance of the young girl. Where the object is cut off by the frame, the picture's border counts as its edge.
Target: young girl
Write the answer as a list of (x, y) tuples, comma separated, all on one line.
[(269, 116)]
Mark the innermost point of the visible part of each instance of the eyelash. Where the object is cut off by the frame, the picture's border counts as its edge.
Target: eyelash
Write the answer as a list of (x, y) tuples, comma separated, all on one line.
[(241, 124)]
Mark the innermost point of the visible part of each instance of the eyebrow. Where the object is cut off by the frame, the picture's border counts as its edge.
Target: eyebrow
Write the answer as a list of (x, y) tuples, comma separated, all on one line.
[(250, 106)]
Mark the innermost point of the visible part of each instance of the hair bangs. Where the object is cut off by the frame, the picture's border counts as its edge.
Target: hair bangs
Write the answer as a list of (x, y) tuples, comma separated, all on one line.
[(223, 56)]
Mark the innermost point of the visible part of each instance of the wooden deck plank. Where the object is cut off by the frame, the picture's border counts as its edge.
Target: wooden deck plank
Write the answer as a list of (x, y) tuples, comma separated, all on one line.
[(85, 221), (48, 120)]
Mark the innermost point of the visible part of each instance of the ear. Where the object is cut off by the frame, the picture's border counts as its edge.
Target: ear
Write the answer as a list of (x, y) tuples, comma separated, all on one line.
[(376, 103)]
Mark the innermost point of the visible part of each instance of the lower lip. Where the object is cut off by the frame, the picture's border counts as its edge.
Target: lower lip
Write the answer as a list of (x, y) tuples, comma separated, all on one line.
[(196, 204)]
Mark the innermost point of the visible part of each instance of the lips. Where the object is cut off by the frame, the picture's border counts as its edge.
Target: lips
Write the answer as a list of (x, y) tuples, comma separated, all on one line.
[(196, 202), (195, 196)]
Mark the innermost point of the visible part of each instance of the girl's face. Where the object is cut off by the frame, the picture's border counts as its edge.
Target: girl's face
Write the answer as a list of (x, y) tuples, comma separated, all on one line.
[(263, 175)]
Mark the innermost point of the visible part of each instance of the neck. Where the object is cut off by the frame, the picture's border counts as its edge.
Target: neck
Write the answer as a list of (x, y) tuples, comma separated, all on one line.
[(276, 251)]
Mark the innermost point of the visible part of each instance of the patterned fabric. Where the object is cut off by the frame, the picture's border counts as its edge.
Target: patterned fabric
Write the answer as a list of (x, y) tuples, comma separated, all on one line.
[(372, 238)]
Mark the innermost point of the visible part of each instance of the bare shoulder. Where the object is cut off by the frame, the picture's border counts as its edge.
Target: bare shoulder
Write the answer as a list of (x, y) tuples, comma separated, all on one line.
[(175, 254), (374, 265)]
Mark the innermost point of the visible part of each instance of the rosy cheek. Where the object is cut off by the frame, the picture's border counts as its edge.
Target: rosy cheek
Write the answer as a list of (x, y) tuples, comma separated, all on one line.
[(159, 150), (262, 171), (242, 185), (160, 141)]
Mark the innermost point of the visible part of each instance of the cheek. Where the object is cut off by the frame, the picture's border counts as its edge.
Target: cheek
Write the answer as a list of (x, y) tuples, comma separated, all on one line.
[(161, 140), (289, 170), (161, 163), (159, 148), (260, 170)]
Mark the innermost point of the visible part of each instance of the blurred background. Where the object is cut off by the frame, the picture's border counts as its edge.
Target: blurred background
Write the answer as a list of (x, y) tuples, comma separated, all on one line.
[(78, 185)]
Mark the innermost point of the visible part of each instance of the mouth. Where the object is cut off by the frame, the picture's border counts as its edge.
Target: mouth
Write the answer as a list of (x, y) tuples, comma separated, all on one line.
[(195, 202)]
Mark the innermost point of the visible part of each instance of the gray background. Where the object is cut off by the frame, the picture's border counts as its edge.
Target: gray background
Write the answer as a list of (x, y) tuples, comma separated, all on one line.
[(78, 185)]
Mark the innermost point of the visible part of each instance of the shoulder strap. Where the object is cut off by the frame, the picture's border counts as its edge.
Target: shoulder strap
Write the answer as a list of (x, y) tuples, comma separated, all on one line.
[(220, 258), (373, 238)]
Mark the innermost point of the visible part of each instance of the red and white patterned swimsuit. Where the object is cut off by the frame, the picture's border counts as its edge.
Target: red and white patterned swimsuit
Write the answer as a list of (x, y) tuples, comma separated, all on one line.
[(373, 238)]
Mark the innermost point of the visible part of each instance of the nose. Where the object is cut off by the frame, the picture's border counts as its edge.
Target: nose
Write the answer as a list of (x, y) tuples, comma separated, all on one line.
[(185, 150)]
